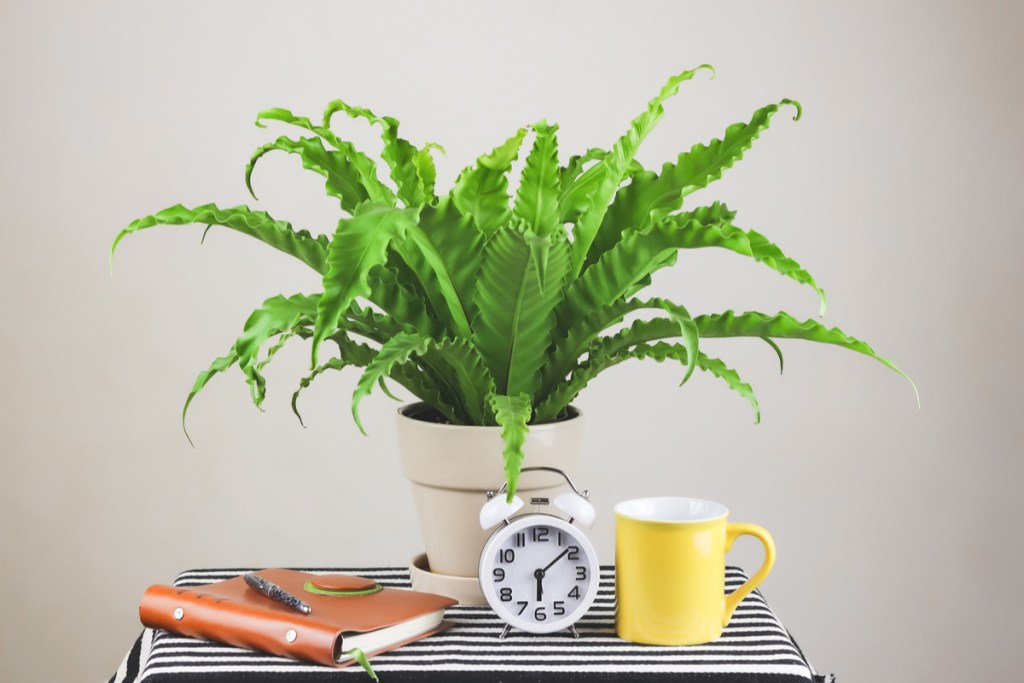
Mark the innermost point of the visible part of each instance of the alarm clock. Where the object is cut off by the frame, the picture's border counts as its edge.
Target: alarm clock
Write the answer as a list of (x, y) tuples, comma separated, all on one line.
[(539, 571)]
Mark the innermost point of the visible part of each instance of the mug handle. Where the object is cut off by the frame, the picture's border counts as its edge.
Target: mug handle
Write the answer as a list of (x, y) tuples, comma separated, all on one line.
[(732, 532)]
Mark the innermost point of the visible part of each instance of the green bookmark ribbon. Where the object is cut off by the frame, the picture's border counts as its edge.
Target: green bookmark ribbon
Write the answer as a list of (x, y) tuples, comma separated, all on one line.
[(360, 656)]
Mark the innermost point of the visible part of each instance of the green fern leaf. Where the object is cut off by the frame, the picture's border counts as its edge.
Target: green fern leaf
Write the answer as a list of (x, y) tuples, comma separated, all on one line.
[(572, 198), (461, 244), (408, 278), (514, 313), (708, 226), (277, 315), (278, 234), (382, 383), (424, 383), (584, 337), (217, 366), (720, 370), (639, 253), (370, 324), (704, 164), (778, 353), (409, 375), (634, 258), (282, 340), (715, 232), (481, 191), (571, 342), (438, 381), (405, 160), (401, 156), (331, 364), (679, 319), (342, 180), (427, 170), (714, 366), (353, 354), (394, 352), (512, 413), (359, 245), (537, 198), (365, 168), (387, 292), (600, 181), (604, 359), (785, 326), (651, 197), (768, 327), (435, 274), (464, 373), (426, 388)]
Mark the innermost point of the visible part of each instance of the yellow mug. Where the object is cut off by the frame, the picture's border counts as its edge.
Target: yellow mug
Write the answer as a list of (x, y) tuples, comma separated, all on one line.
[(670, 569)]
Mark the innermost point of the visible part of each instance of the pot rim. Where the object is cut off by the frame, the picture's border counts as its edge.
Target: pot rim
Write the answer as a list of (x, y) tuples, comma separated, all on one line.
[(403, 413)]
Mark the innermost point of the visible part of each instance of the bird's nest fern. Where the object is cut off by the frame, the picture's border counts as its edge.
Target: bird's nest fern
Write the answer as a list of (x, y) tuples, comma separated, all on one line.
[(498, 310)]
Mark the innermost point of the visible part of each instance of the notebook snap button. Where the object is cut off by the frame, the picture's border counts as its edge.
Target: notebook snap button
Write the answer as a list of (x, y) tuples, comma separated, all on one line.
[(291, 635)]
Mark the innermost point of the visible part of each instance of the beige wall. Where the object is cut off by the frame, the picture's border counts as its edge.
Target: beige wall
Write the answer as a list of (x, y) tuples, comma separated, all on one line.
[(900, 189)]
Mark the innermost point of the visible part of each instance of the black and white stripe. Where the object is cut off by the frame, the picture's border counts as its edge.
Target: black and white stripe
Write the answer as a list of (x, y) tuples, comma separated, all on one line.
[(754, 647)]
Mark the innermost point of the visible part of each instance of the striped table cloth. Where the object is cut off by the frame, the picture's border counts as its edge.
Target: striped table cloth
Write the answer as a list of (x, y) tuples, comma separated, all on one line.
[(754, 648)]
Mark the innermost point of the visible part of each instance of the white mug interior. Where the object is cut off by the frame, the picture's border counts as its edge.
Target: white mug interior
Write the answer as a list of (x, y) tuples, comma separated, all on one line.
[(671, 509)]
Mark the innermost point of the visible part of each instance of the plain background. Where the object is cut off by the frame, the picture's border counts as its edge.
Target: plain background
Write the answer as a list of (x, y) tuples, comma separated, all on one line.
[(898, 529)]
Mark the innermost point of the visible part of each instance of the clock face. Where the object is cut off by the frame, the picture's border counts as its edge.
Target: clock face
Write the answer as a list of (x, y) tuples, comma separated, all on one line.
[(539, 573)]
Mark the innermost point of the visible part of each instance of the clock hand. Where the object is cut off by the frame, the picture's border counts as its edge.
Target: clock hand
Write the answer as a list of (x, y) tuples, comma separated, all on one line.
[(552, 563), (539, 574)]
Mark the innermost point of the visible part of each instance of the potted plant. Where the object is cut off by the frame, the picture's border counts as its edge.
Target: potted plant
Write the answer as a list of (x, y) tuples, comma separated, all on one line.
[(496, 311)]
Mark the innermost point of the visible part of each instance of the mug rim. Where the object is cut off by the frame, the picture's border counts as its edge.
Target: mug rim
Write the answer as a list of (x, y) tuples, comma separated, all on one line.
[(718, 510)]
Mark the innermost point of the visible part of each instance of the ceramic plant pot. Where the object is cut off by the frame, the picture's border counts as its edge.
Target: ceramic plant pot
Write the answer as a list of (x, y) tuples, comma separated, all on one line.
[(452, 467)]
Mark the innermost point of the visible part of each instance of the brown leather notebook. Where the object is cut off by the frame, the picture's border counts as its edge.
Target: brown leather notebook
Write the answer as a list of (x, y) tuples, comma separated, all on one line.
[(346, 612)]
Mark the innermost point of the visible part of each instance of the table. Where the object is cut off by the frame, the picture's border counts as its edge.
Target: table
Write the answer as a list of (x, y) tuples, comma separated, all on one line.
[(755, 648)]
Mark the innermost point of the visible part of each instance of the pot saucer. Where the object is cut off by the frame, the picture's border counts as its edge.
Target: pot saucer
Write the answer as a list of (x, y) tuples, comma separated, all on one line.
[(465, 589)]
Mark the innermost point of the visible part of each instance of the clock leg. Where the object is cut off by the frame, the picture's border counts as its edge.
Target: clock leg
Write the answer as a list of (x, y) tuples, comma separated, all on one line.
[(573, 631), (505, 631)]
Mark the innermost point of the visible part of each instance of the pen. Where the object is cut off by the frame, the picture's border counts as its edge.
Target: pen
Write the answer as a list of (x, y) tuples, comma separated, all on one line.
[(275, 592)]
